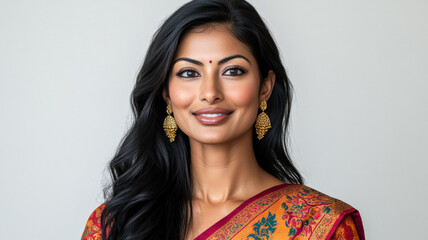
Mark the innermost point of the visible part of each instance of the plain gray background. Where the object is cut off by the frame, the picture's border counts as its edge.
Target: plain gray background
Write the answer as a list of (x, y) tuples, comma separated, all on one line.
[(358, 126)]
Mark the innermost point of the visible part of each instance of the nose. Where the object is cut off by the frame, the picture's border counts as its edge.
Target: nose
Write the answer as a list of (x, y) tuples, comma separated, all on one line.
[(211, 89)]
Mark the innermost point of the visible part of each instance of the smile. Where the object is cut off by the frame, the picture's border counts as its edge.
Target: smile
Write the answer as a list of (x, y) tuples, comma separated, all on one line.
[(212, 115), (212, 118)]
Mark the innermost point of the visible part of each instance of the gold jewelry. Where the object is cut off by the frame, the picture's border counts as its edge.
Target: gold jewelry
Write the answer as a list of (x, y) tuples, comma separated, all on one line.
[(262, 122), (169, 124)]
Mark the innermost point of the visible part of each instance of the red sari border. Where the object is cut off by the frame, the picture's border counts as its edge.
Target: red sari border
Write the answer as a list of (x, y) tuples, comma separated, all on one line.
[(357, 219), (359, 224), (224, 220)]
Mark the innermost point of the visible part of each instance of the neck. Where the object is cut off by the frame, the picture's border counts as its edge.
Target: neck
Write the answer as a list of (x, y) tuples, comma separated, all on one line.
[(226, 171)]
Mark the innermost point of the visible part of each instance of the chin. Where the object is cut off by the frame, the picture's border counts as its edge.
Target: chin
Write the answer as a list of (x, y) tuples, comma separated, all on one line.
[(210, 138), (217, 136)]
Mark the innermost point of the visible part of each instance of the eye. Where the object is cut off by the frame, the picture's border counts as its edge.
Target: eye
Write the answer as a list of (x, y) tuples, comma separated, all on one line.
[(234, 71), (188, 73)]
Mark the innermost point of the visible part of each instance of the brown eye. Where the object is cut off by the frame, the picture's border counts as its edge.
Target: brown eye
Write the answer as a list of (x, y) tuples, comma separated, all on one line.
[(188, 74), (234, 71)]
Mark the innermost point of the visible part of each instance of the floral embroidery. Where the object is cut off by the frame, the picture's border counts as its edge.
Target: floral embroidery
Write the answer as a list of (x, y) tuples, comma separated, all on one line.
[(264, 228), (241, 219), (305, 210), (93, 225)]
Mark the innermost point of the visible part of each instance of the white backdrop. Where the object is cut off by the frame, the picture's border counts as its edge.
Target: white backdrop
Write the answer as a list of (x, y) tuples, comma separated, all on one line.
[(358, 127)]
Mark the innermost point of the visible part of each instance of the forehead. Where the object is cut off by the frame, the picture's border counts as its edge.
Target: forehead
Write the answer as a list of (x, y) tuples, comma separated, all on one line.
[(211, 42)]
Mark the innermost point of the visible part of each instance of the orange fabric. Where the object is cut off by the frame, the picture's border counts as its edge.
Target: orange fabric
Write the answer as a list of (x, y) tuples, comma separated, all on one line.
[(292, 212), (288, 211), (346, 230)]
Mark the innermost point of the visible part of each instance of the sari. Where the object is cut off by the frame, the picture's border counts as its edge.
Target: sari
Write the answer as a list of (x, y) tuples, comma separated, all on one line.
[(286, 211)]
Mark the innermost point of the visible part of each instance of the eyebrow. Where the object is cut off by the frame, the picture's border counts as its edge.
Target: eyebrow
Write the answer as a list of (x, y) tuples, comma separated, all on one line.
[(224, 60)]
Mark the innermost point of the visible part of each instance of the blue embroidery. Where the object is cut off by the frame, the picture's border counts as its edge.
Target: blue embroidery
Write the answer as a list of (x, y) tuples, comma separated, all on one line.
[(264, 228)]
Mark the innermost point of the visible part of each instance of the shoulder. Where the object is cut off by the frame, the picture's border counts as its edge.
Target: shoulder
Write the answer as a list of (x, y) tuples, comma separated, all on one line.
[(93, 225), (301, 194), (309, 212)]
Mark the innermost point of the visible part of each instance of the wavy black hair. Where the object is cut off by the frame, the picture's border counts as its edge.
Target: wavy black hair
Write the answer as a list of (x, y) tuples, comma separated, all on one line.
[(151, 189)]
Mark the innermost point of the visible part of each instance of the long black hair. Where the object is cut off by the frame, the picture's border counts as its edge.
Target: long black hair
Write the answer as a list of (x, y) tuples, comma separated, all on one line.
[(150, 193)]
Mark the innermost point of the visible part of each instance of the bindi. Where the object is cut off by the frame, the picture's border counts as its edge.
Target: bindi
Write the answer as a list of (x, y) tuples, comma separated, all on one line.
[(211, 61)]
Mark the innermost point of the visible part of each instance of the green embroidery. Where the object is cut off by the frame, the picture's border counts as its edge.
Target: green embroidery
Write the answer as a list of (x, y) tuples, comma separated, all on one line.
[(327, 210), (264, 228), (292, 231)]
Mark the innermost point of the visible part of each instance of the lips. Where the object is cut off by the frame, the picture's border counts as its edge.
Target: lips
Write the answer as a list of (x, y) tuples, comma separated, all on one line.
[(212, 116)]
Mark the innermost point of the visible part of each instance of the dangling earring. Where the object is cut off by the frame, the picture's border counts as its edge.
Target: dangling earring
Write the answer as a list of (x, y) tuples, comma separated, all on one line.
[(169, 124), (262, 122)]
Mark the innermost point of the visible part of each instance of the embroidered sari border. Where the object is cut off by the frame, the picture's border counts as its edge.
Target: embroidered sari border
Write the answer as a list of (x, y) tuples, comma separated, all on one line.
[(211, 230), (357, 219), (262, 212), (359, 224)]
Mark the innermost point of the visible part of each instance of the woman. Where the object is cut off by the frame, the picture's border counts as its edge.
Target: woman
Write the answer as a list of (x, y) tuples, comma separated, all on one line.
[(213, 166)]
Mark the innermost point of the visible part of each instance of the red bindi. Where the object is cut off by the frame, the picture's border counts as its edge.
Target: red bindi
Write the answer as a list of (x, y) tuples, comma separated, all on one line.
[(211, 61)]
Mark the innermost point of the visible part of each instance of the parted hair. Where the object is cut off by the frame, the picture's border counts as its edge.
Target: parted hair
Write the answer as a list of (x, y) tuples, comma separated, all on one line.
[(149, 196)]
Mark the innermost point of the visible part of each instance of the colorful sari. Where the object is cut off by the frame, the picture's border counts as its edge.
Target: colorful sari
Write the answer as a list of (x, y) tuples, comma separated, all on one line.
[(286, 211)]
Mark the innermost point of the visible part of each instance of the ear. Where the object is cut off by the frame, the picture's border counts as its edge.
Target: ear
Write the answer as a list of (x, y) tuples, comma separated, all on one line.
[(267, 87), (165, 96)]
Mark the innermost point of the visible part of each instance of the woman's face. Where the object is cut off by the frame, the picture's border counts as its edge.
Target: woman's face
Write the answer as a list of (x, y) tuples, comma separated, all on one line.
[(214, 86)]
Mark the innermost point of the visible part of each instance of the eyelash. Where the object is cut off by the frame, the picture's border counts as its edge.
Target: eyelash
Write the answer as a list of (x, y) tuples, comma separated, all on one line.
[(229, 68), (238, 68), (186, 70)]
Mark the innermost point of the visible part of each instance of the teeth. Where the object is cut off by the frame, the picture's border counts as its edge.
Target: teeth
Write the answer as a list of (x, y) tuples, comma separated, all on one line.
[(212, 115)]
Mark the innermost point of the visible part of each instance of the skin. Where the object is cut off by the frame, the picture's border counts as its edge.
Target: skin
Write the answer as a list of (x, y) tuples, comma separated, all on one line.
[(224, 167)]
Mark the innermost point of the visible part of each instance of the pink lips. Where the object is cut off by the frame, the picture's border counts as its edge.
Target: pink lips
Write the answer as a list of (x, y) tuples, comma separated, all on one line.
[(212, 116)]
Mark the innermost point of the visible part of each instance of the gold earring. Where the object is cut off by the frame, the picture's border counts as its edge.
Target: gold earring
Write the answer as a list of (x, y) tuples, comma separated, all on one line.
[(262, 122), (169, 124)]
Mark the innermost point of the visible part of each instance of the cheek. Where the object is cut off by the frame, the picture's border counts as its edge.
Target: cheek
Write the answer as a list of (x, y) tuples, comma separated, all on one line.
[(180, 95), (244, 95)]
